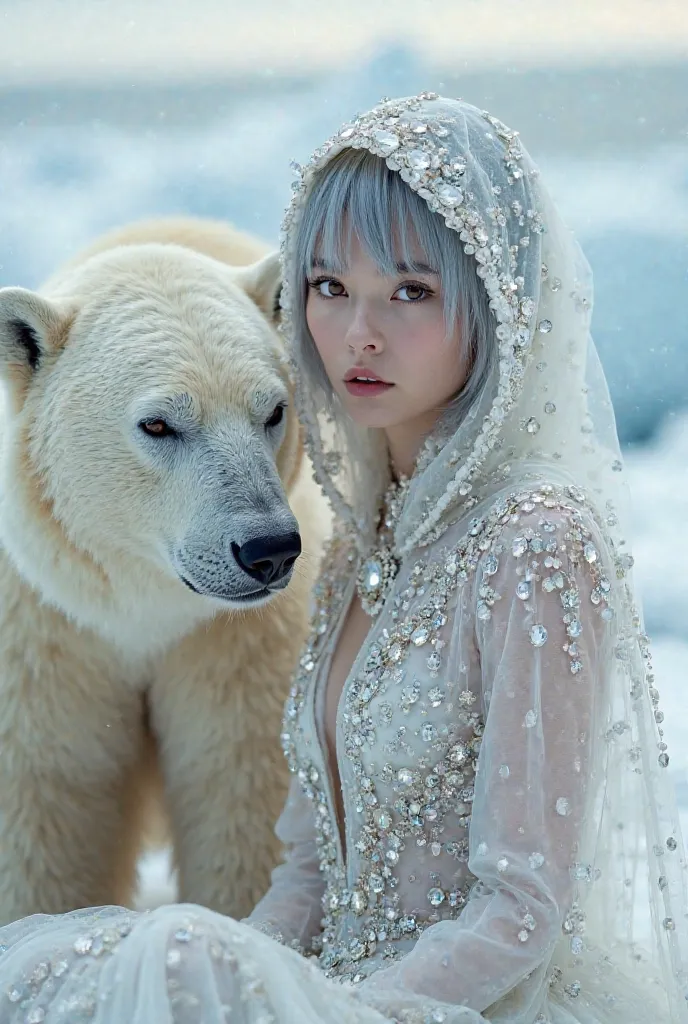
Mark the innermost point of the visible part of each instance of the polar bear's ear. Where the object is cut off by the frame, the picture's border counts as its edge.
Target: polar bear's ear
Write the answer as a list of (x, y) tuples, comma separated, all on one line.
[(30, 326), (262, 282)]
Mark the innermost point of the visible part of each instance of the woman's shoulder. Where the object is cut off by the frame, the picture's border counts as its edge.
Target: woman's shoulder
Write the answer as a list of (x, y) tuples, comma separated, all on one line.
[(539, 526), (538, 507)]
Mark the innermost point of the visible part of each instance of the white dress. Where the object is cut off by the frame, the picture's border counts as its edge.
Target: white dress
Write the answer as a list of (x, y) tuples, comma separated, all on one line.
[(472, 734)]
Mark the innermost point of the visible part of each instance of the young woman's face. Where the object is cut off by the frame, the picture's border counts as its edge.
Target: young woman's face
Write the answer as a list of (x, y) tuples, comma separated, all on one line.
[(384, 344)]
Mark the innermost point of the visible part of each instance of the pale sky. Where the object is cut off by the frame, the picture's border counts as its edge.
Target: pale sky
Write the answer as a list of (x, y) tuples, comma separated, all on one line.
[(81, 40)]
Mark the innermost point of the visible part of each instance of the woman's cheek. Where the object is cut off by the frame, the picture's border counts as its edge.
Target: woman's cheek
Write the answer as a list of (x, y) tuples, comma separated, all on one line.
[(317, 328)]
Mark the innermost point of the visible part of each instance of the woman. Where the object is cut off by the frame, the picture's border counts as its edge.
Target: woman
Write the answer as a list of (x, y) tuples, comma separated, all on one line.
[(480, 826)]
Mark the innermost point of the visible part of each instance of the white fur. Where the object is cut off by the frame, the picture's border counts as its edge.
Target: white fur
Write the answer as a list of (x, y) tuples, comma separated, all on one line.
[(115, 675)]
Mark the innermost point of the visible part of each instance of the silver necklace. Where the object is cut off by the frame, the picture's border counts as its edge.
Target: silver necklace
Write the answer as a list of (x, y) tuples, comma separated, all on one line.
[(380, 566)]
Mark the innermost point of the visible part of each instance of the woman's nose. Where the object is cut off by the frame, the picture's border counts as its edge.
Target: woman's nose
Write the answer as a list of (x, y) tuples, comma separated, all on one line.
[(363, 335)]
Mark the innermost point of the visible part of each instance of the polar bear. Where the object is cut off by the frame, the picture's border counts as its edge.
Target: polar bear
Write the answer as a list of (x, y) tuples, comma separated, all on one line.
[(152, 597)]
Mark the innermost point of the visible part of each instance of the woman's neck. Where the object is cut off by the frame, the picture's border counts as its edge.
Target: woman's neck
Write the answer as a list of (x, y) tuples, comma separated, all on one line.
[(405, 440)]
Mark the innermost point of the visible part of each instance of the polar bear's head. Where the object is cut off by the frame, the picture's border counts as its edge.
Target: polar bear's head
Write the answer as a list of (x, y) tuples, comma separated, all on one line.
[(148, 433)]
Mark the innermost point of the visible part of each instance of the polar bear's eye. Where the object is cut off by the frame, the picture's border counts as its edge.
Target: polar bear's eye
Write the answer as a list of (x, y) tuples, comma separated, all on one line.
[(156, 428), (276, 418)]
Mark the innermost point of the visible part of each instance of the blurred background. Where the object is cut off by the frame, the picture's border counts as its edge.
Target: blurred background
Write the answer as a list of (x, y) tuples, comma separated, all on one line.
[(116, 109)]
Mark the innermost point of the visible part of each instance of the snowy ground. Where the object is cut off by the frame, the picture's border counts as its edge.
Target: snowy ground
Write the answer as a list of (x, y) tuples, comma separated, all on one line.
[(62, 181)]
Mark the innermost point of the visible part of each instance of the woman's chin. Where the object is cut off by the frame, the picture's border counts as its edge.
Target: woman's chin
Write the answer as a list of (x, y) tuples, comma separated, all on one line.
[(374, 419)]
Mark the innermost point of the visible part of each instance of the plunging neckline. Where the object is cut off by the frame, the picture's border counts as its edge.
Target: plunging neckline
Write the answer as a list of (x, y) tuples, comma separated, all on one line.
[(318, 709)]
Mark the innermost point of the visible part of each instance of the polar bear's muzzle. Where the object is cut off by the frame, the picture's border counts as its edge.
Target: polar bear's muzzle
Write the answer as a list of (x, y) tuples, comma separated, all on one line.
[(268, 560), (245, 567)]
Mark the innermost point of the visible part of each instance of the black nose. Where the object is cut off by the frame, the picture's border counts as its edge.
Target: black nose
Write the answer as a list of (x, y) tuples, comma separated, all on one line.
[(268, 559)]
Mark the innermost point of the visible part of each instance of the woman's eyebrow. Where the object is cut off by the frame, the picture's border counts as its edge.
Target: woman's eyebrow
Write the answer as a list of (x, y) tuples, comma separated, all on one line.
[(418, 268), (319, 264), (401, 268)]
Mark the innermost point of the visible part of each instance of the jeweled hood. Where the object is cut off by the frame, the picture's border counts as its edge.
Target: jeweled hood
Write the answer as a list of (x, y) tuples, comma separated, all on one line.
[(546, 403)]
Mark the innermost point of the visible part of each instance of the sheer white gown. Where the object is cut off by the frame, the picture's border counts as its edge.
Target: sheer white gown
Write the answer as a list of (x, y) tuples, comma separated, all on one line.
[(474, 735)]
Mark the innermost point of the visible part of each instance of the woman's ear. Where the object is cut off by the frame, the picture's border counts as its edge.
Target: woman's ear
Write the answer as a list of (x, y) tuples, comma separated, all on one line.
[(262, 282), (30, 327)]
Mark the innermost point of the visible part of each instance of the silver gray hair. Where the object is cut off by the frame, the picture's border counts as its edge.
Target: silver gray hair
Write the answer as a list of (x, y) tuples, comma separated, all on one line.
[(356, 194)]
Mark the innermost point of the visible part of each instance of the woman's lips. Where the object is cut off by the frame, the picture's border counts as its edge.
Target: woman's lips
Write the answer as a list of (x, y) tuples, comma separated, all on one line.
[(364, 383), (366, 388)]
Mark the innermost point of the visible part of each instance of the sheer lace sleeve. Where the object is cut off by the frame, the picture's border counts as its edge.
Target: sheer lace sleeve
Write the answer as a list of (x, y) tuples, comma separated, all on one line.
[(291, 909), (543, 639)]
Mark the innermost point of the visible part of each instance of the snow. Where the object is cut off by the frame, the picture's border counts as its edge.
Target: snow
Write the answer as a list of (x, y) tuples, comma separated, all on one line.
[(157, 883)]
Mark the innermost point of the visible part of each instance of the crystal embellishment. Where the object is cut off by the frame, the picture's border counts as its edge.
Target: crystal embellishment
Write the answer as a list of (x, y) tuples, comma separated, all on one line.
[(563, 807), (538, 635), (490, 565), (376, 575), (420, 636), (419, 160), (372, 575), (385, 140), (450, 195), (378, 571)]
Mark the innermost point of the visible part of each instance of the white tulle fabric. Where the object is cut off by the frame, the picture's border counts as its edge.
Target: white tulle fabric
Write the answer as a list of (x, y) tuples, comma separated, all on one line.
[(550, 887), (178, 965)]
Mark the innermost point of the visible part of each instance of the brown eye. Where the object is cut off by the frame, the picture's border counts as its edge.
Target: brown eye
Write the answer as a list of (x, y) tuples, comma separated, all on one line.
[(328, 287), (276, 417), (413, 293), (156, 428)]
